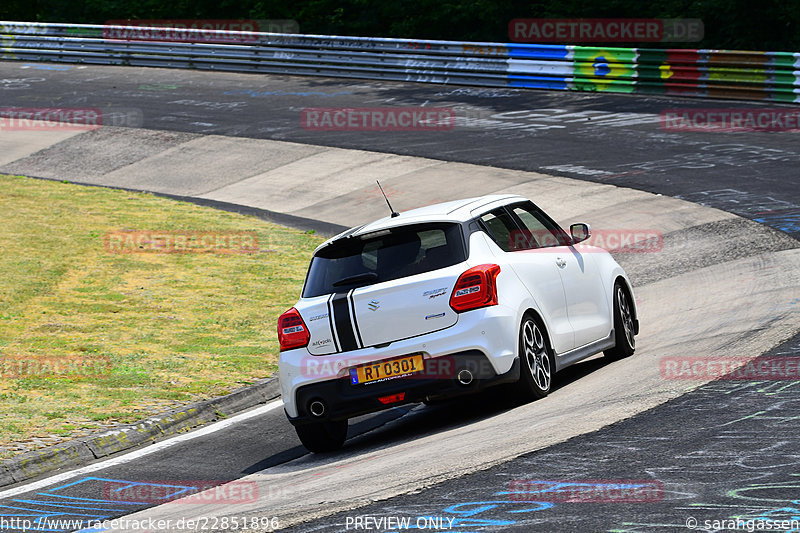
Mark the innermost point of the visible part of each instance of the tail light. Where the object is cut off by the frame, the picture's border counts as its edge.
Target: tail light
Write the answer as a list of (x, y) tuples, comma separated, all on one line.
[(292, 331), (475, 288)]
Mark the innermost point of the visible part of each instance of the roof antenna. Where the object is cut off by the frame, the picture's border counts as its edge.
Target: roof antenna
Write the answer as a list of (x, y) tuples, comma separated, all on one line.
[(394, 213)]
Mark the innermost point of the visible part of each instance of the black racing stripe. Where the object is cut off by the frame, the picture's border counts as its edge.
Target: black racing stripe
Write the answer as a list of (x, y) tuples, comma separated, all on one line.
[(330, 320), (341, 316), (355, 319)]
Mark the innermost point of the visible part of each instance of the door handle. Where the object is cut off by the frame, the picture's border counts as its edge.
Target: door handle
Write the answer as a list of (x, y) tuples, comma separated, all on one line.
[(560, 262)]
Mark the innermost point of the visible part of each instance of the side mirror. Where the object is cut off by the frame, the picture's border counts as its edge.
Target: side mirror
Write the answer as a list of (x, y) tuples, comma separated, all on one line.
[(580, 232)]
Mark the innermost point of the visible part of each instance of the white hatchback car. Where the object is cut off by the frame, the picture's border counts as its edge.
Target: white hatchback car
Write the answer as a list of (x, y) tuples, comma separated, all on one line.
[(442, 301)]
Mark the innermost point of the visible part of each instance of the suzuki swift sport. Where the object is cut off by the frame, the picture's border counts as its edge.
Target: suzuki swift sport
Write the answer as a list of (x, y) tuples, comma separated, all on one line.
[(442, 301)]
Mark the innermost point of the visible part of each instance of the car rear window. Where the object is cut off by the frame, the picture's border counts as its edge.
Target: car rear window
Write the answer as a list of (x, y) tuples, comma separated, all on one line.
[(383, 256)]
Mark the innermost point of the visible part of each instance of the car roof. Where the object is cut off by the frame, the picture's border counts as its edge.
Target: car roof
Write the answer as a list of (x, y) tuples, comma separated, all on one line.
[(453, 211)]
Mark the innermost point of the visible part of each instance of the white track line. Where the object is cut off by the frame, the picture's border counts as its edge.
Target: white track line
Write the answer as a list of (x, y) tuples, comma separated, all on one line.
[(147, 450)]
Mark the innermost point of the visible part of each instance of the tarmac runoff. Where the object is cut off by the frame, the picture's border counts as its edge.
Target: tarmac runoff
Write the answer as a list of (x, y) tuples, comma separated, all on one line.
[(718, 285), (158, 428)]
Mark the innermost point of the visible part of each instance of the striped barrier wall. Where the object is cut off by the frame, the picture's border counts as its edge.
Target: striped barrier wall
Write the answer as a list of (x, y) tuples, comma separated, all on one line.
[(768, 76)]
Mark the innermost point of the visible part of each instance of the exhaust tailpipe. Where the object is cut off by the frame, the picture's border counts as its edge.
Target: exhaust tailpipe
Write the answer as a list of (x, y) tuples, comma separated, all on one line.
[(465, 377), (317, 408)]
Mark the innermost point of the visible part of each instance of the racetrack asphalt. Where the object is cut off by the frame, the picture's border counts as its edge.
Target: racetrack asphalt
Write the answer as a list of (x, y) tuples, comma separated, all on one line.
[(749, 174), (727, 450), (606, 138)]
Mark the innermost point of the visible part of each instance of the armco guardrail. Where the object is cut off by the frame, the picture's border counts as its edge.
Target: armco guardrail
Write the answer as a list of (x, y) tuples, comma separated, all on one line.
[(773, 76)]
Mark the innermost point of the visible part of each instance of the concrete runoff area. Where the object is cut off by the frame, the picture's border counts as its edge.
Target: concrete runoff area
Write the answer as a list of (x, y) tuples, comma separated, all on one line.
[(20, 144), (712, 289)]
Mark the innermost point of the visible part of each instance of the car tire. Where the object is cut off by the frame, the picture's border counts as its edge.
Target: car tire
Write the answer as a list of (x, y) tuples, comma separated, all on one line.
[(320, 437), (624, 336), (537, 364)]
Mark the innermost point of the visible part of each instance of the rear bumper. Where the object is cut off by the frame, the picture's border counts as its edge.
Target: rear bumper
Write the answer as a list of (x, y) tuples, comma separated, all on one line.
[(440, 379), (490, 331)]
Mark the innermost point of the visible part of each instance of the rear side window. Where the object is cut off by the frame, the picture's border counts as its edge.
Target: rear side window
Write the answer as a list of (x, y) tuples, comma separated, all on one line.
[(383, 256), (502, 228)]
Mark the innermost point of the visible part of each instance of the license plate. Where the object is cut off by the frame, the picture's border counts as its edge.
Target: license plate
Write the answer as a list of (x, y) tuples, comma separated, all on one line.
[(383, 370)]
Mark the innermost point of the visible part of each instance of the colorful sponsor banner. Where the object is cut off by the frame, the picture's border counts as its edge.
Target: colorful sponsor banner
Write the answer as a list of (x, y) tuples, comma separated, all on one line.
[(539, 51), (727, 74), (773, 76), (604, 69), (540, 66), (538, 82), (670, 72)]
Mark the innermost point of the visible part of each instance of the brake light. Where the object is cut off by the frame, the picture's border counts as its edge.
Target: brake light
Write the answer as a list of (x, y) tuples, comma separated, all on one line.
[(292, 331), (475, 288)]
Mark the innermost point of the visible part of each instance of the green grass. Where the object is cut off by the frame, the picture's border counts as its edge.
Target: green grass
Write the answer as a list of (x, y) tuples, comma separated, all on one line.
[(156, 328)]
